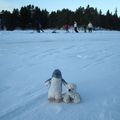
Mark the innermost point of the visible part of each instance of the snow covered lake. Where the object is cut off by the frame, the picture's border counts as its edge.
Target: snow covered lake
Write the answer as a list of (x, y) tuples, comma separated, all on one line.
[(90, 60)]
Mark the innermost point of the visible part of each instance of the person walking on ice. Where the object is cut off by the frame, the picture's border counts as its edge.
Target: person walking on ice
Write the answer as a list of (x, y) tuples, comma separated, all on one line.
[(90, 27), (75, 27), (39, 27)]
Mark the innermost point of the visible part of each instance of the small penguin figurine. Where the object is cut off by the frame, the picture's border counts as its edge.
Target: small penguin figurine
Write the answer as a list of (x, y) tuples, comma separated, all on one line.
[(55, 86)]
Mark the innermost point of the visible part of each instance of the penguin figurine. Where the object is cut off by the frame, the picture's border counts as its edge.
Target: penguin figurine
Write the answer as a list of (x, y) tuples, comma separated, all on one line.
[(55, 86)]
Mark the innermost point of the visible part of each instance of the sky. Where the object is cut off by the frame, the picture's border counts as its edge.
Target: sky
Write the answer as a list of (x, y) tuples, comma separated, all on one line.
[(53, 5)]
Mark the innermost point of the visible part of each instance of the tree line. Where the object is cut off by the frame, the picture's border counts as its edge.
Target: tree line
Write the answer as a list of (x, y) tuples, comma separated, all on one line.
[(27, 16)]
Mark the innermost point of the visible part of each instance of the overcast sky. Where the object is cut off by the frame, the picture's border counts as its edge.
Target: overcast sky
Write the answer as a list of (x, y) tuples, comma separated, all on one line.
[(53, 5)]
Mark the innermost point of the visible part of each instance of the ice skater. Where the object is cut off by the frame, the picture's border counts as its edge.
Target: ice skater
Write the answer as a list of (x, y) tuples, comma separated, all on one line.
[(66, 27), (90, 27), (39, 27), (75, 27)]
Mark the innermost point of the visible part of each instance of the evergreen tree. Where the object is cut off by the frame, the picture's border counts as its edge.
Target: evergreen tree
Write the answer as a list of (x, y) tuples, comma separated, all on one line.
[(44, 18), (16, 18), (8, 20), (25, 17), (64, 16), (53, 20), (79, 16)]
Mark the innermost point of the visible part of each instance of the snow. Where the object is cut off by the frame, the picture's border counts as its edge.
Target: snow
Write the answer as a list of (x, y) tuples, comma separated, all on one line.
[(90, 60)]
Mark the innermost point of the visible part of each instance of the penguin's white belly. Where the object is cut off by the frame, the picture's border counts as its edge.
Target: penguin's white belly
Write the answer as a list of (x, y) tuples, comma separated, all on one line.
[(55, 90)]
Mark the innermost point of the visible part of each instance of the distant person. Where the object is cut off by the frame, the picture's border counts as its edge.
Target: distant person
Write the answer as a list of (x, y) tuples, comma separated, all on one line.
[(39, 27), (0, 24), (85, 28), (90, 27), (66, 27), (75, 27)]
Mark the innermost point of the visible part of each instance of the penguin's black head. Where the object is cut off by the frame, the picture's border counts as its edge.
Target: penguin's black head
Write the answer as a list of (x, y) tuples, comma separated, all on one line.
[(57, 73)]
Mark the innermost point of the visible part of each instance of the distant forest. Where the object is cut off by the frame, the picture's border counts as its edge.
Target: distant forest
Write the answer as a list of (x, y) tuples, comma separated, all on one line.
[(27, 16)]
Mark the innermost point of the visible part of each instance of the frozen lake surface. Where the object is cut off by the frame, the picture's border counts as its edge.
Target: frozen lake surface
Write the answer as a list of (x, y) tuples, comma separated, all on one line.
[(90, 60)]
